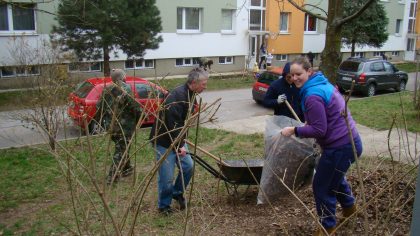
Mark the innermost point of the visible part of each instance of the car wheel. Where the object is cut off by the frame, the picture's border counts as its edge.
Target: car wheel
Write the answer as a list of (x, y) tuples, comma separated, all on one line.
[(371, 90), (401, 86), (96, 127)]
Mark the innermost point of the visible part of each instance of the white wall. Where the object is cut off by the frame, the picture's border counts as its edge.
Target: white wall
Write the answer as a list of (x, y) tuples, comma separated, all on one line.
[(12, 47), (203, 44)]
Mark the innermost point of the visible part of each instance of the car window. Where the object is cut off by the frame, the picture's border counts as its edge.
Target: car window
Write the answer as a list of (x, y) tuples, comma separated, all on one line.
[(389, 67), (351, 66), (267, 78), (146, 91), (83, 89), (377, 66)]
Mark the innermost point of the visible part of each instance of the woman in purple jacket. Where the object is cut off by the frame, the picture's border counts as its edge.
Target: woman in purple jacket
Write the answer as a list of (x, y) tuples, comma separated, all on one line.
[(323, 105)]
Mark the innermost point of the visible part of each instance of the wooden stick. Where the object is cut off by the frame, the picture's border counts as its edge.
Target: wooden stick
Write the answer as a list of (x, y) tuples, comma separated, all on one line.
[(218, 159), (292, 111)]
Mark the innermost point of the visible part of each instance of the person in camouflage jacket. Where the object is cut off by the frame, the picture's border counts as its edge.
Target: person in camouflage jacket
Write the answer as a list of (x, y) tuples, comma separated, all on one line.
[(120, 112)]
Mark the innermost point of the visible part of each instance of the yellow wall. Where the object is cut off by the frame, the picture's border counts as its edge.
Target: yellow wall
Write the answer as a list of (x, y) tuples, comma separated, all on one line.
[(289, 43)]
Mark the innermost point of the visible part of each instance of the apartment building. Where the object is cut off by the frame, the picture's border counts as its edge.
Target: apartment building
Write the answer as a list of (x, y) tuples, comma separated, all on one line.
[(229, 32), (190, 30)]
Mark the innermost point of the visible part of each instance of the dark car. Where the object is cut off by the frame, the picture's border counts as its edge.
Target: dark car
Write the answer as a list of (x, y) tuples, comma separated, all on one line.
[(370, 75), (83, 100), (263, 81)]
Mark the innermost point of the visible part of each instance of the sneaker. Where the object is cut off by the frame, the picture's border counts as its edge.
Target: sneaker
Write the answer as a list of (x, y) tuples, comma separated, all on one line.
[(127, 171), (181, 201), (166, 211)]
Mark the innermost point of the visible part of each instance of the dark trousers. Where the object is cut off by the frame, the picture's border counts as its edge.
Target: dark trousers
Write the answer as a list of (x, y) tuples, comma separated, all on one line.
[(121, 152), (330, 184), (262, 59)]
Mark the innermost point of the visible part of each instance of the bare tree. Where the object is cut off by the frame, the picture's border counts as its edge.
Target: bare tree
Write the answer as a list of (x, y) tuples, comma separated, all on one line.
[(335, 18), (48, 80)]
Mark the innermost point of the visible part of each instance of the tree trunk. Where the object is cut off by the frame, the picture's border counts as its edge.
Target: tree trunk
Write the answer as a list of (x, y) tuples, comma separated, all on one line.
[(353, 46), (331, 55), (107, 70)]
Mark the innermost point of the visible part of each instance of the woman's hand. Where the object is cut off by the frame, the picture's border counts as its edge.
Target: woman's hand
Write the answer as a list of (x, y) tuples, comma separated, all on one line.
[(288, 131)]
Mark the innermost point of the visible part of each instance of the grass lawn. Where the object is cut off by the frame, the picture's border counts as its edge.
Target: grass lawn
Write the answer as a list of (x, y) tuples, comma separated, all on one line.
[(16, 100), (407, 67), (377, 112), (36, 198)]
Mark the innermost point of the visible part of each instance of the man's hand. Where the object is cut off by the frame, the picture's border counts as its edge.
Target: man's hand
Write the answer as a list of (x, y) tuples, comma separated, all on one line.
[(182, 152), (281, 98), (288, 131)]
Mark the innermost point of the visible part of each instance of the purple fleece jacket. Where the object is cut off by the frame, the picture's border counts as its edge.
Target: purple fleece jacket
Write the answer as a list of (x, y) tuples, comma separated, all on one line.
[(325, 123)]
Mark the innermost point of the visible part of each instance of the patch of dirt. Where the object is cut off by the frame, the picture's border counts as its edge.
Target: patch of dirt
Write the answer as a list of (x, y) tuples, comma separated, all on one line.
[(214, 212)]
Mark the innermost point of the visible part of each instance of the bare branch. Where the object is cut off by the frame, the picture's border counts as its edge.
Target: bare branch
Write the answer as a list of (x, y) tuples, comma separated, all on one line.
[(302, 8)]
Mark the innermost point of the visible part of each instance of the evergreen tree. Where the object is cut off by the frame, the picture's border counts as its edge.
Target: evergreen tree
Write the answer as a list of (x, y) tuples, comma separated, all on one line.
[(369, 29), (93, 28)]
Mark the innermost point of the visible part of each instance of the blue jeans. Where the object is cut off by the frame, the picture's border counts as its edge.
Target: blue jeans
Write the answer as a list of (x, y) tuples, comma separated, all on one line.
[(330, 184), (166, 188)]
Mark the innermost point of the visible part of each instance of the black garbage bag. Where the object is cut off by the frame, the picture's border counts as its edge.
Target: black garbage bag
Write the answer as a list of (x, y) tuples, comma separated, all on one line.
[(290, 160)]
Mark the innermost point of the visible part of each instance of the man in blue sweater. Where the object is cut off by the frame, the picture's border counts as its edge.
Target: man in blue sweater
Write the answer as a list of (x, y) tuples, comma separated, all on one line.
[(281, 90)]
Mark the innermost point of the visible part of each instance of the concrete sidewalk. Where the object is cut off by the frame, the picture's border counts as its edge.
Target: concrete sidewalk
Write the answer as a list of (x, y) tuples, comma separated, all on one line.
[(375, 143)]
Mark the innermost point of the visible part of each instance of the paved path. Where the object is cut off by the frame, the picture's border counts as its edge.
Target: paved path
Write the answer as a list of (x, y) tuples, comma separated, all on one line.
[(375, 143)]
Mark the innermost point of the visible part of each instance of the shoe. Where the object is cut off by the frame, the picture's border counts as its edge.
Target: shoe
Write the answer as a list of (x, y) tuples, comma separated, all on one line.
[(181, 201), (127, 171), (320, 232), (348, 211), (166, 211)]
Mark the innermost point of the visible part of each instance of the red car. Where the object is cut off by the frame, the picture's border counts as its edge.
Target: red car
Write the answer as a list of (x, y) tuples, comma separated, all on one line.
[(84, 99), (263, 81)]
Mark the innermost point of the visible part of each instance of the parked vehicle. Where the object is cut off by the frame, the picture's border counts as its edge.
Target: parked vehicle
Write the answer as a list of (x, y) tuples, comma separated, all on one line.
[(83, 100), (263, 81), (370, 75)]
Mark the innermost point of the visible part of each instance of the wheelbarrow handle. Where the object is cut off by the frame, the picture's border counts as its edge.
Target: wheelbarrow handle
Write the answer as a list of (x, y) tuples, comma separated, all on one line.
[(218, 159), (292, 111)]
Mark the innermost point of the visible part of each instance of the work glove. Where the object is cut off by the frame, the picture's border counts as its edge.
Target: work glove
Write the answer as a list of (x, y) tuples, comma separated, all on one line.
[(281, 98)]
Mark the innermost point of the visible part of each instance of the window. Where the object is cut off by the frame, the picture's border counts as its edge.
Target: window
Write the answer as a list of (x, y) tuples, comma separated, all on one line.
[(139, 64), (395, 53), (85, 67), (257, 15), (377, 67), (188, 19), (377, 54), (225, 60), (258, 3), (227, 20), (359, 54), (398, 26), (17, 18), (412, 18), (186, 61), (284, 22), (310, 23), (281, 57), (10, 71), (410, 44), (145, 91), (388, 67)]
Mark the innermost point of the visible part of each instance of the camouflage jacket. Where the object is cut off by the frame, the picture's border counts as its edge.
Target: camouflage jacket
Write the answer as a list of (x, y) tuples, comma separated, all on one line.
[(118, 109)]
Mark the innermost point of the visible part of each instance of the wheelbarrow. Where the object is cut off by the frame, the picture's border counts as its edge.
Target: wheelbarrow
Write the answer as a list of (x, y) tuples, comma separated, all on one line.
[(233, 172)]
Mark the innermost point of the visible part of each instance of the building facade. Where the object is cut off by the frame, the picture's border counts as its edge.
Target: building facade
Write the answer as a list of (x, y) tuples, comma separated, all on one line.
[(230, 32)]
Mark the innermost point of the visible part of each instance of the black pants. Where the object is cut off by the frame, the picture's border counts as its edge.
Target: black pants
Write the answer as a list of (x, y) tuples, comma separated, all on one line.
[(121, 152), (261, 60)]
